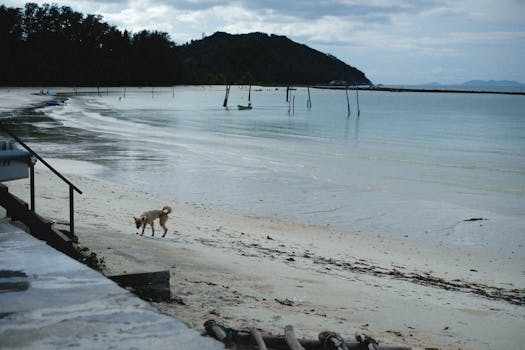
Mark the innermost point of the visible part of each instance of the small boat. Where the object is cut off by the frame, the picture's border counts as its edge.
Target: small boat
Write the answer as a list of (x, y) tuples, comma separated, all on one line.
[(53, 103), (242, 108), (249, 106)]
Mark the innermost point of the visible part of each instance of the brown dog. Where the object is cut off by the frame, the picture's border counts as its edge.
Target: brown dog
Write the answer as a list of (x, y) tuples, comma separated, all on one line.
[(149, 217)]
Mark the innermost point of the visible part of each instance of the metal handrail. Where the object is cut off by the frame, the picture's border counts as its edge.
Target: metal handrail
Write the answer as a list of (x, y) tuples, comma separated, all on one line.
[(32, 180)]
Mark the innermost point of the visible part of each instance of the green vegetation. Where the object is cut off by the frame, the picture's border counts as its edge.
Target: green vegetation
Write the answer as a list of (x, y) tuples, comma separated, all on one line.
[(52, 45), (91, 259), (49, 45)]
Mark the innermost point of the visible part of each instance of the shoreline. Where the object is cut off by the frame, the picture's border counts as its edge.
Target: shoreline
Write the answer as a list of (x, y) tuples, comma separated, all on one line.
[(247, 270)]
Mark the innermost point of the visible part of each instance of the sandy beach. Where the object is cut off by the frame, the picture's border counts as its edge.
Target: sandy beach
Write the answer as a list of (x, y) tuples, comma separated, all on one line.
[(249, 271)]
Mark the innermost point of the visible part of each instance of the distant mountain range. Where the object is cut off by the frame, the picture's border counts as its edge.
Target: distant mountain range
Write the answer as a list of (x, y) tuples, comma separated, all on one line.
[(481, 83), (492, 83)]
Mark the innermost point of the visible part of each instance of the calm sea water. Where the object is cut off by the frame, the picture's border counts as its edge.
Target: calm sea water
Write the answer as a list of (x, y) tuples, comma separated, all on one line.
[(412, 164)]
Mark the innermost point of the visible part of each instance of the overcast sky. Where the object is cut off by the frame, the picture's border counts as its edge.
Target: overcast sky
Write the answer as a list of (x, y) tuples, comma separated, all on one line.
[(404, 41)]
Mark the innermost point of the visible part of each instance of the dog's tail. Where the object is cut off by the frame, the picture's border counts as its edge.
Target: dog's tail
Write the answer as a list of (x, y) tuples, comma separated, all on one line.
[(166, 209)]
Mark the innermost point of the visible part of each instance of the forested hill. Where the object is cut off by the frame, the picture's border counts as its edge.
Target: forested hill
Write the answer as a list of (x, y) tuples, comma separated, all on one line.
[(262, 58), (50, 45)]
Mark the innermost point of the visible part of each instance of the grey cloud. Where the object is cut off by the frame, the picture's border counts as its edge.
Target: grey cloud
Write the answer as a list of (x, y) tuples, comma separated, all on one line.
[(311, 9)]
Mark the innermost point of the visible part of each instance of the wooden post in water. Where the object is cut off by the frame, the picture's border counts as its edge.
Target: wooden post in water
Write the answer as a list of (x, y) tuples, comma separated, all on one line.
[(293, 104), (347, 103), (309, 101), (357, 97), (249, 93), (225, 103), (287, 92), (124, 92)]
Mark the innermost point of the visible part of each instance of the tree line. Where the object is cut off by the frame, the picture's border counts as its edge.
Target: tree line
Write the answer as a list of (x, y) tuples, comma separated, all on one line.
[(50, 45)]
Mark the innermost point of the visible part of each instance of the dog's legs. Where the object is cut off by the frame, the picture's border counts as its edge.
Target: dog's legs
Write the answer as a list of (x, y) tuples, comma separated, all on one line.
[(143, 228), (152, 229), (162, 221)]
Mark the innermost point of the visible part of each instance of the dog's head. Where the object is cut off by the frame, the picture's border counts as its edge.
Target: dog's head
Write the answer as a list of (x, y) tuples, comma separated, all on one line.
[(139, 221)]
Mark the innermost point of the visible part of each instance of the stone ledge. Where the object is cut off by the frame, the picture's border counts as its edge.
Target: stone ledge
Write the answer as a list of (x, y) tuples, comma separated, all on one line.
[(152, 286), (66, 304)]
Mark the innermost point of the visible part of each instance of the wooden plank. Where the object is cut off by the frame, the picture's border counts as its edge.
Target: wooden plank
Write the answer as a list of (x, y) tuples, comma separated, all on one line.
[(291, 340)]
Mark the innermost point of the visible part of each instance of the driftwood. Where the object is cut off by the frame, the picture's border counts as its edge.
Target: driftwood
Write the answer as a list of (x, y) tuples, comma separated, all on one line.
[(370, 343), (258, 339), (217, 332), (332, 341), (291, 340), (328, 340), (474, 219)]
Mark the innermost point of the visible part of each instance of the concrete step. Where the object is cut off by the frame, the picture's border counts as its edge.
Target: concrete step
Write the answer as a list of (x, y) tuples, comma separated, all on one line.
[(149, 281), (51, 301)]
